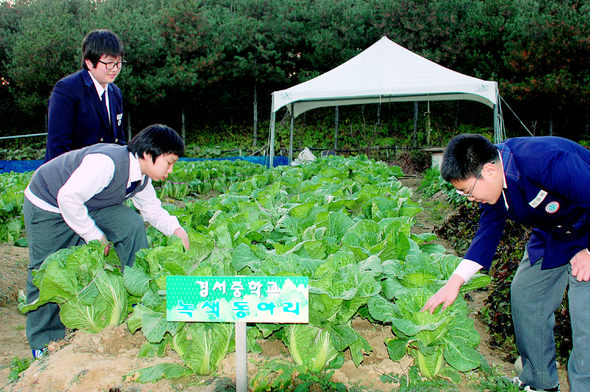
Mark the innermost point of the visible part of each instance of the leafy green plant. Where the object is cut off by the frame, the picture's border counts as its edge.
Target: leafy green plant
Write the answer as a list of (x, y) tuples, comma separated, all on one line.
[(433, 183), (310, 346), (215, 340), (159, 371), (12, 186), (496, 383), (445, 337), (87, 286), (274, 374), (33, 151), (435, 340), (194, 178), (146, 281)]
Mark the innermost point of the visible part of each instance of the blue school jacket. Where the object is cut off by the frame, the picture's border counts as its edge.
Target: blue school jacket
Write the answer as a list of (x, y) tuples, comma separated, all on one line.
[(78, 118), (548, 188)]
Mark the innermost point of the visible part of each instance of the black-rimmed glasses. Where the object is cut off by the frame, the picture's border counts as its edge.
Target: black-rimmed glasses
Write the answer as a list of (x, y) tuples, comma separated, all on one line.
[(112, 64)]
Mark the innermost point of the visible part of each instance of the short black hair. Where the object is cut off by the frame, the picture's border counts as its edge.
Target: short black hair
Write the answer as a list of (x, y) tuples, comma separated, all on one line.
[(98, 43), (156, 140), (465, 156)]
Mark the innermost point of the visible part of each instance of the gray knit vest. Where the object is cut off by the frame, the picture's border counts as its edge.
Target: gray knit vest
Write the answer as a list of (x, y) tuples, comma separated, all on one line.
[(51, 176)]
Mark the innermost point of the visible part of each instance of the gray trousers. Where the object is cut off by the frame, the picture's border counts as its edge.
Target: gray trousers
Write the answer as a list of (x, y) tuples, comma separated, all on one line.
[(47, 233), (535, 295)]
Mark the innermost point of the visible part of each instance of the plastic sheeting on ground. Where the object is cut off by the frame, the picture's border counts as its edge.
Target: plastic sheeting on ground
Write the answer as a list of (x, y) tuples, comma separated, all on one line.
[(19, 166), (31, 165)]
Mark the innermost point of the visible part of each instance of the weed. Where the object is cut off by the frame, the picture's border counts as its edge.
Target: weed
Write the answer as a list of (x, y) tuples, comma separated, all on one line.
[(496, 384), (414, 382), (437, 210), (78, 376), (323, 381), (17, 366)]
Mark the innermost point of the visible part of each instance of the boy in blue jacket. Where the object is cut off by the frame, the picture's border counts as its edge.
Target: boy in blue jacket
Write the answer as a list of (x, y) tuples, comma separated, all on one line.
[(542, 182), (86, 107)]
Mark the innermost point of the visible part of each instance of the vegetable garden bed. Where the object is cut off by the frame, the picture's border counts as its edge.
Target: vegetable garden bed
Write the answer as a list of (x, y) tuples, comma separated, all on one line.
[(344, 223)]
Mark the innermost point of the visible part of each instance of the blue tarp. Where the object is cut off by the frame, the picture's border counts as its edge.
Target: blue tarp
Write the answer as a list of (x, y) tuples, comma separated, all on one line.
[(25, 166), (277, 160), (19, 166)]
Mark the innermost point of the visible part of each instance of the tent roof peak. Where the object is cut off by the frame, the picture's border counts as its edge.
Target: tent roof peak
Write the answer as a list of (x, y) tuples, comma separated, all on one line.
[(385, 71)]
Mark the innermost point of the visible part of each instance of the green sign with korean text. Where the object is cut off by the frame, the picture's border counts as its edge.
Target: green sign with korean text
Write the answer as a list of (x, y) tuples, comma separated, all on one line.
[(256, 299)]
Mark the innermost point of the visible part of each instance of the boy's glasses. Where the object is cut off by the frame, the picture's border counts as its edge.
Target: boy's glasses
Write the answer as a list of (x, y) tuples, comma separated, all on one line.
[(112, 64), (470, 193)]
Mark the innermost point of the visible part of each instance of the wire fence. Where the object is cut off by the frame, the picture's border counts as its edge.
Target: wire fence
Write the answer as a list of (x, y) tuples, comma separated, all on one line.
[(19, 136), (386, 153)]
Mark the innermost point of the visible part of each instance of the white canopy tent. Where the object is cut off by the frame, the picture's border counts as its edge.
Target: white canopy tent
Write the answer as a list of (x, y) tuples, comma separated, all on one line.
[(385, 72)]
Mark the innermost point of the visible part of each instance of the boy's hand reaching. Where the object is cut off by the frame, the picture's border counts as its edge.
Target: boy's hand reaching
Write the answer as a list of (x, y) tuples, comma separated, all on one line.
[(446, 295), (107, 246), (181, 233)]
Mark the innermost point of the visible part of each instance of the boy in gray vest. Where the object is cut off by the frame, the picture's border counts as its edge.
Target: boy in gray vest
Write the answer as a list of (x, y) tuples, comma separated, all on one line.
[(79, 197)]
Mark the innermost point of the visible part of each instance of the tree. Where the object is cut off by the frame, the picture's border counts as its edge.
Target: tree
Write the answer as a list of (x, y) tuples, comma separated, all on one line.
[(136, 23), (254, 43), (205, 56), (433, 29), (548, 60), (46, 48), (336, 32), (9, 26)]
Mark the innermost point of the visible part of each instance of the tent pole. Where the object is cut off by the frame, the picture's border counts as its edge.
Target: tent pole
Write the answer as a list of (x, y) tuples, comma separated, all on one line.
[(497, 136), (427, 124), (415, 132), (128, 125), (498, 120), (272, 138), (183, 124), (336, 115), (291, 136)]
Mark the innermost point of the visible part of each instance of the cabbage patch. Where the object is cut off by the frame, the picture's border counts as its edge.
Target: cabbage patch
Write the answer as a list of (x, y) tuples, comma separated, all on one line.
[(344, 223)]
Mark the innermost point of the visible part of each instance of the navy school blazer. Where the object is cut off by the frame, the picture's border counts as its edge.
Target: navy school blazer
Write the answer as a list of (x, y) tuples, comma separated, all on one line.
[(547, 180), (78, 118)]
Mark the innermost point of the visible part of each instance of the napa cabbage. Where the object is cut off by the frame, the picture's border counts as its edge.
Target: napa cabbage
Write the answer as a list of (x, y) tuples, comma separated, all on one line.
[(202, 346), (87, 287), (436, 340)]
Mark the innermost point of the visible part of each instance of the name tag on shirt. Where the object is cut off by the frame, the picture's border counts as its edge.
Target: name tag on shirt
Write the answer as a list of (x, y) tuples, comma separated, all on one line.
[(538, 199)]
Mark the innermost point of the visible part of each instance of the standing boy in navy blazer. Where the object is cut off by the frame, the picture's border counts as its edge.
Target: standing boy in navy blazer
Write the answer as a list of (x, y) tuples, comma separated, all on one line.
[(86, 107), (542, 182)]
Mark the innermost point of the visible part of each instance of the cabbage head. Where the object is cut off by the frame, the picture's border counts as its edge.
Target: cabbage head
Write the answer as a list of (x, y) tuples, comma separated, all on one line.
[(87, 287), (202, 346)]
